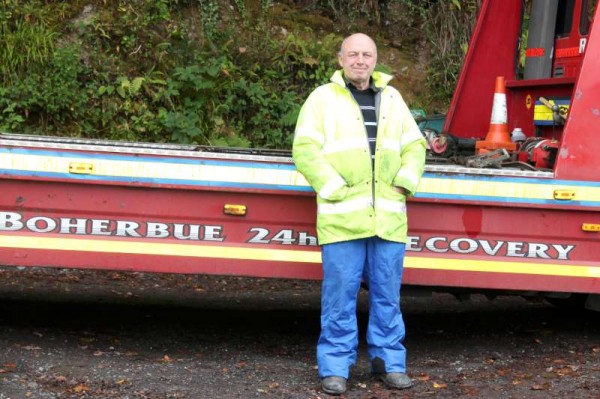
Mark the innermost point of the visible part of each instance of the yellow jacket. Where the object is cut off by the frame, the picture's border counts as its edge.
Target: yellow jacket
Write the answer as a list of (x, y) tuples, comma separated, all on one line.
[(331, 150)]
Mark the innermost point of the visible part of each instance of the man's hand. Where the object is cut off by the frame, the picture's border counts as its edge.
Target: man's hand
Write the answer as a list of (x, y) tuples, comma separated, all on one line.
[(401, 190)]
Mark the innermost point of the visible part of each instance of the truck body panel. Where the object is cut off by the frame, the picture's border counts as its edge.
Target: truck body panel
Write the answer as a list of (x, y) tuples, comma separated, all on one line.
[(90, 206)]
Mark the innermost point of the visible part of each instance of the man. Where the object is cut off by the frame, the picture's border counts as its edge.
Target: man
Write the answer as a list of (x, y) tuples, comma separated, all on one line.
[(362, 152)]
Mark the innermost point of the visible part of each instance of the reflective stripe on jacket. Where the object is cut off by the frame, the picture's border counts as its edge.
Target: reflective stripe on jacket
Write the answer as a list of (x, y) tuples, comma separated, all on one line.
[(331, 150)]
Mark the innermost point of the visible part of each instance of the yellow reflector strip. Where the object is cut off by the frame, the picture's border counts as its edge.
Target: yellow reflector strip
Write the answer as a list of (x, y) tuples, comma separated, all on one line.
[(489, 189), (233, 252), (149, 248), (153, 170), (546, 269), (503, 189)]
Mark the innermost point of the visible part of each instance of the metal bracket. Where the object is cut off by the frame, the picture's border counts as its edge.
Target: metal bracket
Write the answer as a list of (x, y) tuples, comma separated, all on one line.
[(492, 159)]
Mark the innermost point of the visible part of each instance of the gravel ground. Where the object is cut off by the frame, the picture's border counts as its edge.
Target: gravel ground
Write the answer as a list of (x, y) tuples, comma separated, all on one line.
[(89, 334)]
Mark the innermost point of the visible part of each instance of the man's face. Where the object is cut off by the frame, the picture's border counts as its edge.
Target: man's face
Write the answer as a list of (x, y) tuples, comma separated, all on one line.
[(358, 57)]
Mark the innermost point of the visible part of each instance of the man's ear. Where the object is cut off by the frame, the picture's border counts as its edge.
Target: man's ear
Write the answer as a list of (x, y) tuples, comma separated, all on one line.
[(340, 60)]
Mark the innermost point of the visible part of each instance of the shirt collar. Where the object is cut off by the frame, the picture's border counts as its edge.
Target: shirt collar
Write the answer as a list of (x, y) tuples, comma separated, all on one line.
[(372, 86)]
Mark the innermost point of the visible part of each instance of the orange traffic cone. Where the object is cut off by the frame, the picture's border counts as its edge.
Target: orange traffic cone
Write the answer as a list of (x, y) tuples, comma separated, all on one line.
[(498, 136)]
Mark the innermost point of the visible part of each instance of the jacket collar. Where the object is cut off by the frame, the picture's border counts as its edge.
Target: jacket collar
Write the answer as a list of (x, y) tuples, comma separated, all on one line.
[(378, 79)]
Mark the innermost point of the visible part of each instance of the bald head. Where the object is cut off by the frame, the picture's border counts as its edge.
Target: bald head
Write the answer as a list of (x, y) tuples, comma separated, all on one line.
[(357, 38), (358, 57)]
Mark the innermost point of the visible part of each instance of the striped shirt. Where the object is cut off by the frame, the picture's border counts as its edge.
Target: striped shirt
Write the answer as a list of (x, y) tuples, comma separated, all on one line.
[(366, 102)]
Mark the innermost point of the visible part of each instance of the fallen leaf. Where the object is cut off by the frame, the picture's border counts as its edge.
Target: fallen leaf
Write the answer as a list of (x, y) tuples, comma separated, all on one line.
[(31, 348), (166, 359), (470, 391), (567, 370), (122, 382), (241, 365), (440, 385), (502, 372), (537, 387), (81, 388), (423, 377)]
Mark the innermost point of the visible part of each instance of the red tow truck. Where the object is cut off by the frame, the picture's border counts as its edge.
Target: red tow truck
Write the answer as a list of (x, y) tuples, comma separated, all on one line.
[(520, 215)]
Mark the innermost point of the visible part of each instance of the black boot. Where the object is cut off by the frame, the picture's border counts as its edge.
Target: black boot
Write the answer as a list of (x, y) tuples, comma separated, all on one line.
[(333, 385), (396, 380)]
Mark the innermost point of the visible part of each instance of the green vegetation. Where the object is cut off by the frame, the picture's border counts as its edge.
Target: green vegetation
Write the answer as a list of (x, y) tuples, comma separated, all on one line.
[(209, 72), (448, 30)]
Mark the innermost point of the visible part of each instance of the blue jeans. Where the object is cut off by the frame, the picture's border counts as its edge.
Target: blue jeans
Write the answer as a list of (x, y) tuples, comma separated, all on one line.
[(344, 265)]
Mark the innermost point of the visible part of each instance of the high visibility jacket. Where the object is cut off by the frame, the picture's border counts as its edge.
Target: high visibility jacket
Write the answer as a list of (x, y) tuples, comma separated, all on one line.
[(331, 150)]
